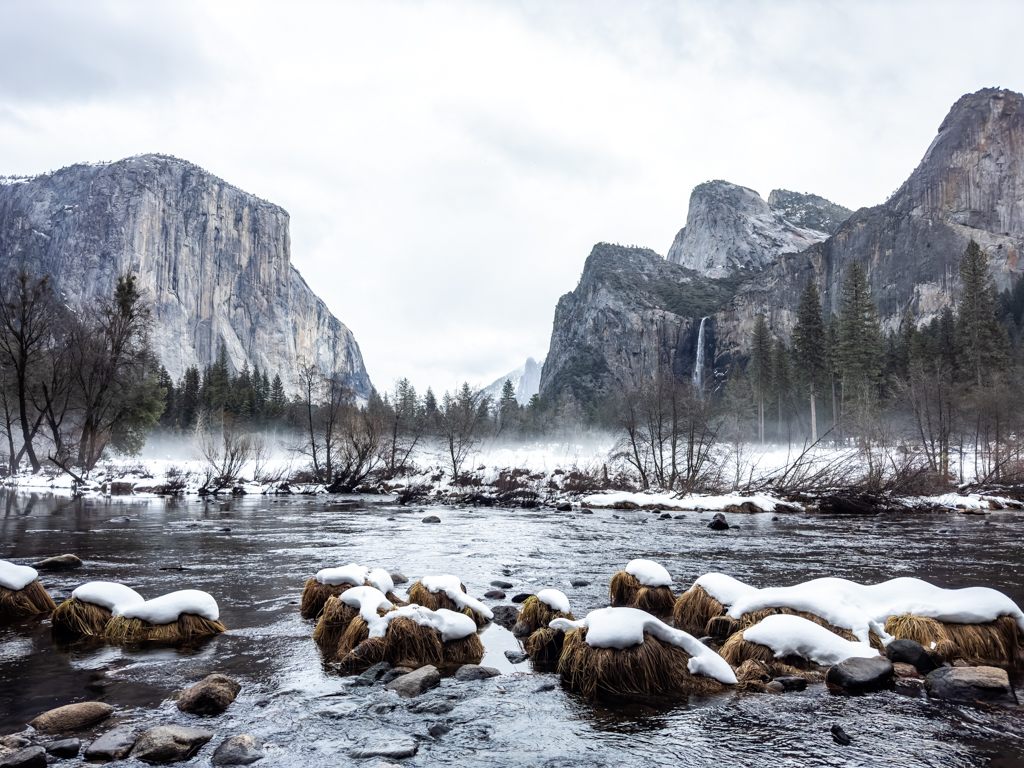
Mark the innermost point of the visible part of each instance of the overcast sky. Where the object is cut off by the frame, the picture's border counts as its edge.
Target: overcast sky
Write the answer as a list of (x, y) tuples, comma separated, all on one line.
[(449, 165)]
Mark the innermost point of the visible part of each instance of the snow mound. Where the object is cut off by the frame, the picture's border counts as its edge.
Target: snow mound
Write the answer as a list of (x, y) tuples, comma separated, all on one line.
[(16, 577), (346, 574), (625, 627), (554, 599), (451, 625), (452, 587), (380, 579), (107, 594), (796, 636), (649, 573), (167, 608), (862, 608), (693, 501), (367, 600), (725, 589)]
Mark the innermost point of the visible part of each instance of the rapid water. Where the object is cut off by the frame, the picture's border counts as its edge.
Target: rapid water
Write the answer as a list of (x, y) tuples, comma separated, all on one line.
[(254, 554)]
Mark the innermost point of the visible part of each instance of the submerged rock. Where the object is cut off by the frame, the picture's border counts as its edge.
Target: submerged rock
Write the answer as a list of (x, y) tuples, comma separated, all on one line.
[(718, 522), (72, 717), (431, 519), (968, 684), (516, 657), (501, 584), (521, 597), (399, 578), (391, 746), (112, 745), (238, 750), (494, 594), (416, 682), (579, 582), (170, 743), (506, 615), (839, 736), (210, 696), (860, 675), (58, 563)]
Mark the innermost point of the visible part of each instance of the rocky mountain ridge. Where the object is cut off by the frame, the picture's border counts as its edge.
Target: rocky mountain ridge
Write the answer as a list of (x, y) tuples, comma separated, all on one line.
[(215, 262)]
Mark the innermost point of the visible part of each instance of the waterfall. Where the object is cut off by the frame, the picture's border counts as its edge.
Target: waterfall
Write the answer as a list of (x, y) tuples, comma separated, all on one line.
[(698, 368)]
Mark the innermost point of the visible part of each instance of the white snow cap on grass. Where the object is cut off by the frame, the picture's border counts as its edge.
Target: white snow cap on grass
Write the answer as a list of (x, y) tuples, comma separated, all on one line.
[(725, 589), (107, 594), (625, 627), (380, 579), (862, 608), (367, 600), (649, 573), (167, 608), (451, 625), (346, 574), (796, 636), (452, 587), (554, 599), (16, 577)]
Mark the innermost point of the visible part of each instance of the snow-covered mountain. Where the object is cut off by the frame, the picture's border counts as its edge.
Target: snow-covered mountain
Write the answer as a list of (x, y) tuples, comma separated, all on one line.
[(525, 378)]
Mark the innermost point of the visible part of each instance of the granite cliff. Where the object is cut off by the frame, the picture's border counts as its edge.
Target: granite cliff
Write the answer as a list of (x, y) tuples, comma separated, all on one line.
[(215, 262)]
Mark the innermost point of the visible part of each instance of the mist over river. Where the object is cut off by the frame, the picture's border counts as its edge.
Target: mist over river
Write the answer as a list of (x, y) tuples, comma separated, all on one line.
[(254, 553)]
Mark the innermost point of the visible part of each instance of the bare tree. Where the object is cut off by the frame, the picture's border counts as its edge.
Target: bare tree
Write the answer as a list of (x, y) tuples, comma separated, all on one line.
[(226, 452), (462, 418)]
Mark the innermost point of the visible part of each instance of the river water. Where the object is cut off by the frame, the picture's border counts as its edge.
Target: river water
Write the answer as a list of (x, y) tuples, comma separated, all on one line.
[(254, 553)]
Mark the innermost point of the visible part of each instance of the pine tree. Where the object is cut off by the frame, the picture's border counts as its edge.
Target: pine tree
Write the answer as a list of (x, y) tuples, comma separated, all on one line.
[(166, 384), (278, 400), (981, 340), (189, 403), (508, 408), (860, 342), (761, 369), (809, 348), (782, 384)]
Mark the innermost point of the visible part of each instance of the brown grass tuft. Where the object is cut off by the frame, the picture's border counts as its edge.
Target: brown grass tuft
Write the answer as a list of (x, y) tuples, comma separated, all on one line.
[(32, 600), (544, 646), (995, 643), (649, 669), (694, 609), (534, 615), (468, 650), (333, 621), (626, 591), (363, 656), (420, 595), (188, 627), (75, 618), (409, 644), (745, 655), (622, 589), (721, 628), (315, 596)]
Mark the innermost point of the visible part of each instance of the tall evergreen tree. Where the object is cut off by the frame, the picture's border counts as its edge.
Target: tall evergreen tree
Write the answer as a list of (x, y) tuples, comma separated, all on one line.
[(189, 401), (859, 354), (782, 385), (809, 348), (981, 340), (761, 369)]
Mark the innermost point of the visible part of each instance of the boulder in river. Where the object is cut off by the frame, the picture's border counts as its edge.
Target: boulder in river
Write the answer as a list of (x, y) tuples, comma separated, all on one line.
[(912, 652), (112, 745), (505, 615), (859, 675), (967, 684), (30, 757), (64, 747), (718, 522), (170, 743), (72, 717), (390, 746), (431, 519), (475, 672), (416, 682), (494, 594), (237, 750), (210, 696), (59, 563)]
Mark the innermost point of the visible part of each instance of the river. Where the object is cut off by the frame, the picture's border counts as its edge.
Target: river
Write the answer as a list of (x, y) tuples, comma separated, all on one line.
[(254, 553)]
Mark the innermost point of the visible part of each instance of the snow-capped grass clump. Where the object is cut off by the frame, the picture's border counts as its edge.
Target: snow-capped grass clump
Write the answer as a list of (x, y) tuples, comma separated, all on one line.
[(554, 599), (368, 601), (108, 594), (451, 587), (622, 628), (380, 579), (649, 573), (450, 624), (347, 574), (796, 636), (724, 588), (16, 577), (167, 608)]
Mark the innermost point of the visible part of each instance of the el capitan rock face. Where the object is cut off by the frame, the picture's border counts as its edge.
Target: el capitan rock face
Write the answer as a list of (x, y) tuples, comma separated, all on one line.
[(214, 260), (969, 184)]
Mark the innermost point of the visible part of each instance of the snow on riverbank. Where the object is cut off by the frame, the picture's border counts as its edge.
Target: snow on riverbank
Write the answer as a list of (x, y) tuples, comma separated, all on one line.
[(693, 501)]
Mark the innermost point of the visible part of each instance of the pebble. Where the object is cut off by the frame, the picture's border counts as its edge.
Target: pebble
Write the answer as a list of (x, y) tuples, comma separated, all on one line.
[(501, 584), (516, 657)]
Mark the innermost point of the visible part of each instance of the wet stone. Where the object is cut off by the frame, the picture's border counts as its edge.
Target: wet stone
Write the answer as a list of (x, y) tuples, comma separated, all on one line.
[(416, 682), (506, 615), (579, 583), (839, 736), (30, 757), (72, 717), (210, 696), (432, 706), (791, 682), (913, 653), (170, 743), (112, 745), (718, 523), (494, 594), (64, 747), (431, 519), (391, 746), (399, 578), (521, 597), (516, 657), (376, 672), (58, 563), (501, 584), (469, 672), (237, 750), (856, 675), (437, 730), (967, 684)]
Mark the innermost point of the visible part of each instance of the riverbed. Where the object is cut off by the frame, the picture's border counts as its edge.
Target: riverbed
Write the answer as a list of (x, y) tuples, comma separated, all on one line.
[(254, 553)]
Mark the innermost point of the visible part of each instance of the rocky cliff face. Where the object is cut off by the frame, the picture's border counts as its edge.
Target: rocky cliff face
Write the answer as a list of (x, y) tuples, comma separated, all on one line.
[(525, 378), (214, 260), (631, 308), (730, 228)]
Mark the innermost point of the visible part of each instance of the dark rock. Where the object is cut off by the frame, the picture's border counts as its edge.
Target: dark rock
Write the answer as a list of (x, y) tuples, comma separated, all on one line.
[(502, 584), (210, 696), (399, 578), (112, 745), (391, 746), (580, 583), (64, 747), (58, 563), (505, 615), (237, 750), (912, 652), (431, 519), (416, 682), (586, 511), (469, 672), (839, 736), (516, 657), (376, 672), (718, 522), (564, 507), (120, 488), (72, 717), (494, 594), (967, 684), (860, 675), (432, 707), (680, 517), (30, 757), (393, 674), (437, 730), (665, 516), (521, 597), (170, 743), (791, 682), (774, 686)]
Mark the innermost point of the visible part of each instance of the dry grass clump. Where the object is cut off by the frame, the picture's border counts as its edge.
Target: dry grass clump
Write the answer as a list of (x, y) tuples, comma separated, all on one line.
[(189, 626), (748, 620), (408, 644), (315, 596), (334, 620), (420, 595), (31, 600), (544, 646), (652, 668), (536, 614), (748, 656), (694, 609), (994, 643), (468, 650), (626, 591), (76, 618), (721, 628), (363, 656)]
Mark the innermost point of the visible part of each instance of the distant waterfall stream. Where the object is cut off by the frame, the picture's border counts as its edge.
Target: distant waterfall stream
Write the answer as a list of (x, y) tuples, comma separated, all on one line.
[(698, 368)]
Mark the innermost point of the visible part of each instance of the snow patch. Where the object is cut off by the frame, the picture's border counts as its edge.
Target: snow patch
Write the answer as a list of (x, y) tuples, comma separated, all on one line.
[(368, 600), (622, 628), (346, 574), (380, 579), (452, 587), (725, 589), (167, 608), (107, 594), (554, 599), (649, 573), (796, 636), (694, 501), (451, 625), (16, 577)]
